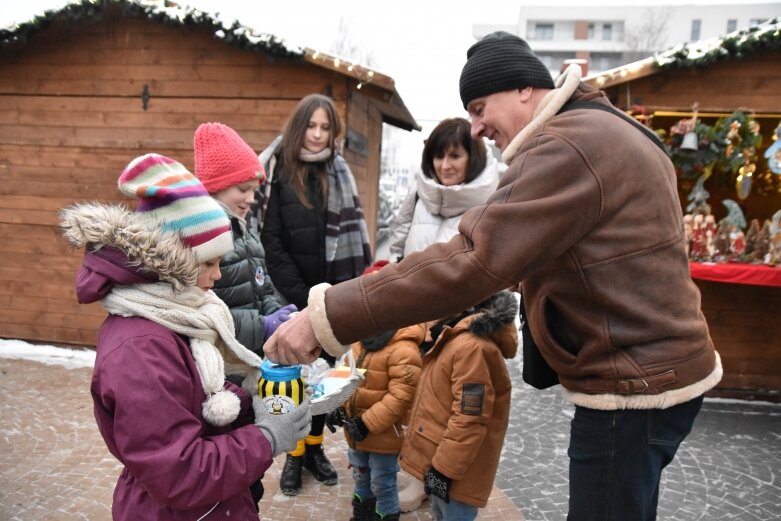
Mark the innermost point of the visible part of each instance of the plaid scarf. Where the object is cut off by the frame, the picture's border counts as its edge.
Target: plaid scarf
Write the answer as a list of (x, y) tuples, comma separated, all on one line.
[(347, 250)]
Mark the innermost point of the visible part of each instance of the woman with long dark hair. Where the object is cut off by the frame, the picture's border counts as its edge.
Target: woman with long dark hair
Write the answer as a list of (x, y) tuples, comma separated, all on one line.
[(313, 231)]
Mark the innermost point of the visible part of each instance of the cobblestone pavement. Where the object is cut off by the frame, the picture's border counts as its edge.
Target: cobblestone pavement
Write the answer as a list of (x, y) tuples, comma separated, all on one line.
[(726, 469), (54, 465)]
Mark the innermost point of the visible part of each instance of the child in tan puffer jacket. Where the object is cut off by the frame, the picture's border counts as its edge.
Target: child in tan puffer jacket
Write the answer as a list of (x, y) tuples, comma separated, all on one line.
[(373, 417)]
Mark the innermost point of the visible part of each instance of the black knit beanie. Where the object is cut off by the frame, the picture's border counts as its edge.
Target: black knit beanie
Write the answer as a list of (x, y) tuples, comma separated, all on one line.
[(501, 61)]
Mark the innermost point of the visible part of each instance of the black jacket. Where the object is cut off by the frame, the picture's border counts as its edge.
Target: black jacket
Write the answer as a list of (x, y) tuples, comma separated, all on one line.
[(294, 238), (246, 286)]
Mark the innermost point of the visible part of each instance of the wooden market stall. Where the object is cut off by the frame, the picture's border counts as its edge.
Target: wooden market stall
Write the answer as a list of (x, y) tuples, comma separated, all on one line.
[(715, 78), (86, 88)]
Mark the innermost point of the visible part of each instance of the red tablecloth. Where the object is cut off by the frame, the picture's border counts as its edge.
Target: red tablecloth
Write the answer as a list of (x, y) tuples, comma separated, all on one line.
[(736, 273)]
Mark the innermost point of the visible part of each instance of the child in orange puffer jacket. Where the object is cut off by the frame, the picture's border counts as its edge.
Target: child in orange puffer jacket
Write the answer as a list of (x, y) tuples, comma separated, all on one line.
[(372, 418)]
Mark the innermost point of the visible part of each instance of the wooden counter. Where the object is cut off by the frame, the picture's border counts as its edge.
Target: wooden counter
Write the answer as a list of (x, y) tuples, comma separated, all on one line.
[(745, 324)]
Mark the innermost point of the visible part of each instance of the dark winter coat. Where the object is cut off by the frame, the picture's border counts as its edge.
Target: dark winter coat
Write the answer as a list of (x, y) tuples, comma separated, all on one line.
[(246, 286), (294, 238), (462, 405)]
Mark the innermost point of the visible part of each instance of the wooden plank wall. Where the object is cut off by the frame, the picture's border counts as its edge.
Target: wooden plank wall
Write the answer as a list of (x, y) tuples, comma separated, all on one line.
[(752, 82), (366, 120), (744, 325), (71, 118)]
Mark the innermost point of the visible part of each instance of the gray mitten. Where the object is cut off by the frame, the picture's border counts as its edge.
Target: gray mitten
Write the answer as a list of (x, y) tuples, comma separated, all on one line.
[(283, 430)]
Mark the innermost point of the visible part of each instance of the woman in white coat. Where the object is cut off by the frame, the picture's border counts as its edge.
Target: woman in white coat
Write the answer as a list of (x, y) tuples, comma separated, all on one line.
[(456, 175)]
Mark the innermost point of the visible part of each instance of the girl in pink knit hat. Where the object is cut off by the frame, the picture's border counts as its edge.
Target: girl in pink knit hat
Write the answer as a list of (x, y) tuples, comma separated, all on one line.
[(230, 170)]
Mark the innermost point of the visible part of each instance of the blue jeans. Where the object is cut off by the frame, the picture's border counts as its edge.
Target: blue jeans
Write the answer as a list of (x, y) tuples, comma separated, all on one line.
[(375, 476), (453, 511), (617, 457)]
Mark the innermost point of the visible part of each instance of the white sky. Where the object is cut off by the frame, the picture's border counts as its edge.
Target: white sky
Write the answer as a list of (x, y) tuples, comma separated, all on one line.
[(421, 44)]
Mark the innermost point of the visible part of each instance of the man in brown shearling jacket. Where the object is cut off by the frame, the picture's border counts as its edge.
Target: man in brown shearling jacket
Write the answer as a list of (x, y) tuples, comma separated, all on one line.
[(587, 217)]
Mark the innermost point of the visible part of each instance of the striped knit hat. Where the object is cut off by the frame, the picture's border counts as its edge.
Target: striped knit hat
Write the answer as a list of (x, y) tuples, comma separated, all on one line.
[(173, 198), (223, 159), (501, 61)]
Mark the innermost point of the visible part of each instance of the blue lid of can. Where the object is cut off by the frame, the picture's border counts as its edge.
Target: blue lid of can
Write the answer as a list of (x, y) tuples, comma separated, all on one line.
[(279, 373)]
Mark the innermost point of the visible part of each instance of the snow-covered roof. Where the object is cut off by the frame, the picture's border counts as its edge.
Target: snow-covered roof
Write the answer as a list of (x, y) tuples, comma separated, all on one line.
[(732, 46), (233, 33), (167, 12)]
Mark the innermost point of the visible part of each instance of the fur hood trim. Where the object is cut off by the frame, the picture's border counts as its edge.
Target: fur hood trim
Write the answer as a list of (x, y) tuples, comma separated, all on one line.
[(97, 225), (566, 84), (494, 314)]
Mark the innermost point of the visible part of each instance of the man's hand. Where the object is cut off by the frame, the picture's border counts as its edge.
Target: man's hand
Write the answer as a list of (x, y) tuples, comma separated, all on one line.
[(294, 342)]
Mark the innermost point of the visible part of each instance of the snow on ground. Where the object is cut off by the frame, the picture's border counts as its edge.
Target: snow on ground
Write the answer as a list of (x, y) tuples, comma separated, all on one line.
[(45, 354)]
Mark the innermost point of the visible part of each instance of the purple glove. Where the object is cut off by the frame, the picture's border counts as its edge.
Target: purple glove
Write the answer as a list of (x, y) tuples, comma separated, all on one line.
[(271, 322)]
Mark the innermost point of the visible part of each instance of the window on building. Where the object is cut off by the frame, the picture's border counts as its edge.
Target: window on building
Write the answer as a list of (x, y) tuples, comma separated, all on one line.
[(543, 31), (590, 32), (607, 31), (546, 59), (732, 25), (757, 21), (696, 29)]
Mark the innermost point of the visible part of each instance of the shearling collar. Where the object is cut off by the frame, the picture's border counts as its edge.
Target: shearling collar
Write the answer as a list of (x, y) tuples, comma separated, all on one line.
[(549, 106), (162, 253)]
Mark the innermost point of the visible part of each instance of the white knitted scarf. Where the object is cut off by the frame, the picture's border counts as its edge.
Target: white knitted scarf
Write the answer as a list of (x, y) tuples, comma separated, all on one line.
[(206, 321)]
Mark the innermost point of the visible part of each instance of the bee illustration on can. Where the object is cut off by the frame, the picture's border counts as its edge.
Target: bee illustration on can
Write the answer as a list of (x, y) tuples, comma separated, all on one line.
[(280, 387)]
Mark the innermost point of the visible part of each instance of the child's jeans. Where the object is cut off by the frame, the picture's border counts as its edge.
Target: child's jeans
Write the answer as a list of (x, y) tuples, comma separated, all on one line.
[(375, 476), (453, 511)]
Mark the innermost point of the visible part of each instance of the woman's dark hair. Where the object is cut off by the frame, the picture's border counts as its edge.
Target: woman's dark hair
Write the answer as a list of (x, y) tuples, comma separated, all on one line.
[(294, 170), (453, 133)]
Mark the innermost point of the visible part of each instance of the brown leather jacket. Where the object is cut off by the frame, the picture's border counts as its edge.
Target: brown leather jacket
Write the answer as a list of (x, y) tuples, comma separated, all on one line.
[(462, 406), (587, 216), (384, 399)]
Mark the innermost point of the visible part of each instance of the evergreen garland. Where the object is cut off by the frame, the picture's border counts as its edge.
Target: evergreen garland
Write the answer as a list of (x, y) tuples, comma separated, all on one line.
[(92, 10), (733, 46)]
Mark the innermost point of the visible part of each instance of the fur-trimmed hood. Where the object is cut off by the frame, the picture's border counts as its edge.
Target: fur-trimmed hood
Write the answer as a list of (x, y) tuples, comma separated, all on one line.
[(494, 314), (145, 251), (493, 319)]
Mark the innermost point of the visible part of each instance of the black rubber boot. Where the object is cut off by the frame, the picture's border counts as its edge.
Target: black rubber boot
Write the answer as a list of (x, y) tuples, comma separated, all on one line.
[(290, 478), (385, 517), (363, 509), (317, 463)]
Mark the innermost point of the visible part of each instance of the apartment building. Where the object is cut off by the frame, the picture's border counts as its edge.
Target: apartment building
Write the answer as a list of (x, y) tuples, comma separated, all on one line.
[(611, 36)]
